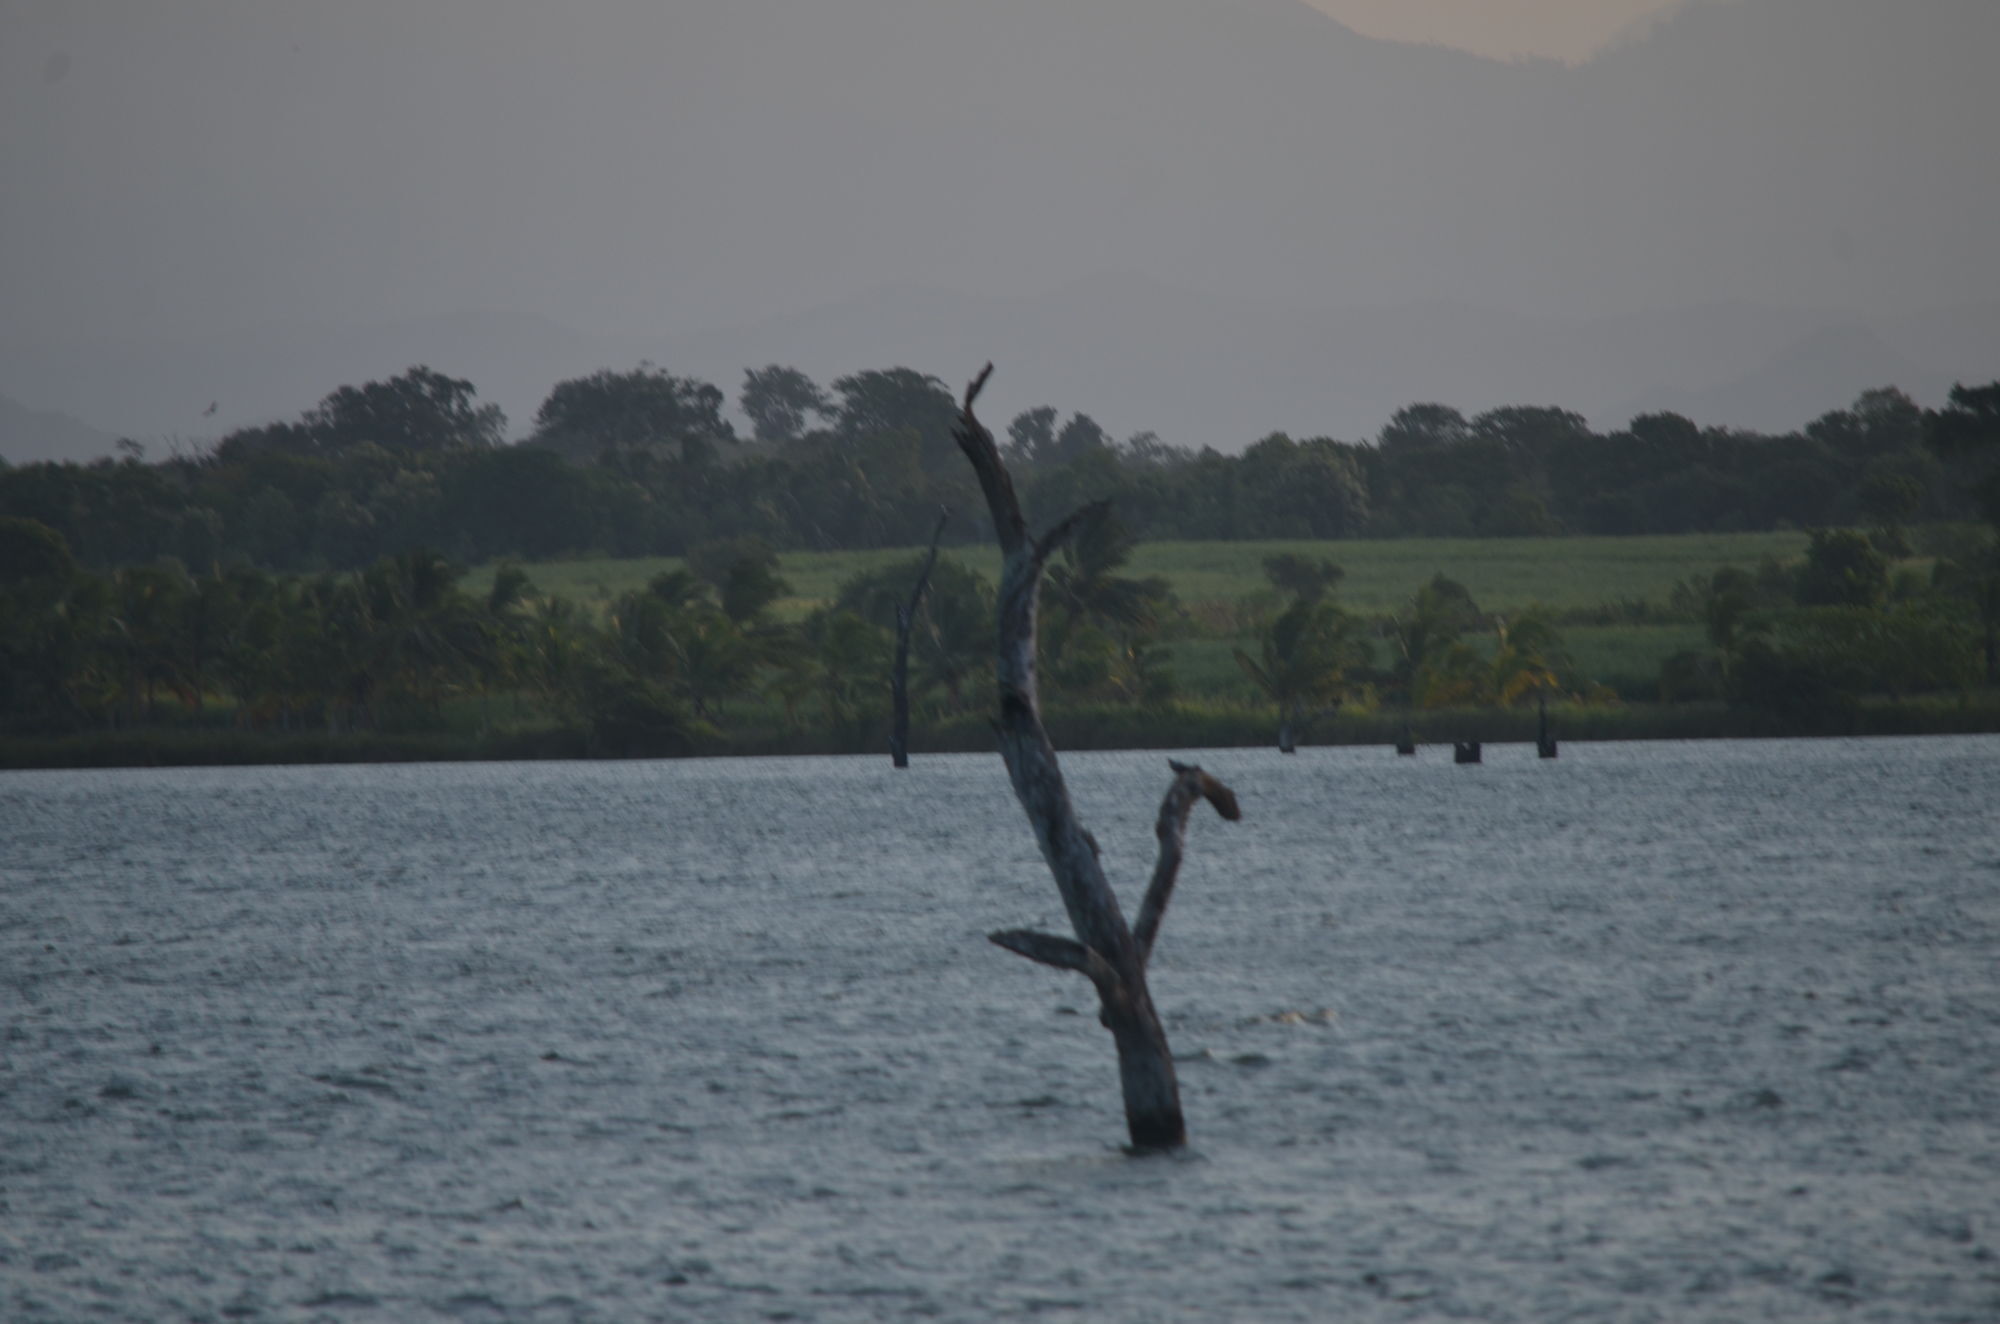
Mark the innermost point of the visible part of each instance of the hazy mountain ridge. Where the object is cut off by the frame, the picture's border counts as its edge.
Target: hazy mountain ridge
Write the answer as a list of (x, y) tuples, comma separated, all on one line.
[(30, 436), (1217, 371), (1206, 370), (1314, 226)]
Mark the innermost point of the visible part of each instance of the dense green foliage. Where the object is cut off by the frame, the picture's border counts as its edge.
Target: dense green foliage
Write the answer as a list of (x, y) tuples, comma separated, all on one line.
[(698, 658), (283, 584), (643, 463)]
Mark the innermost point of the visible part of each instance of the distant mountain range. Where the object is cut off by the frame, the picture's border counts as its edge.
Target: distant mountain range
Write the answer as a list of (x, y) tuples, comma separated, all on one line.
[(1197, 369), (30, 436), (1206, 370), (1206, 219)]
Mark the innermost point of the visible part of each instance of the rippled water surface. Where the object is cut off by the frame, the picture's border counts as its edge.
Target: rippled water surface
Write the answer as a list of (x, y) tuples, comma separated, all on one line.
[(1663, 1031)]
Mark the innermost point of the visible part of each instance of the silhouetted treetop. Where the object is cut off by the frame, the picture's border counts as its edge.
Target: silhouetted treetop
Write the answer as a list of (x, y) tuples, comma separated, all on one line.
[(777, 400), (646, 407), (420, 410)]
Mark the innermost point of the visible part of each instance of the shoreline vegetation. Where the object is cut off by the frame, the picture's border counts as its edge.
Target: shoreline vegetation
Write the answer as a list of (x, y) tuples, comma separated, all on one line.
[(1093, 728), (715, 596), (741, 651)]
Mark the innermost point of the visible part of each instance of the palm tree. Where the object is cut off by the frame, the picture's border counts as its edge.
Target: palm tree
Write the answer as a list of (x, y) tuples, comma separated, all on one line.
[(427, 637), (56, 632), (209, 610), (1308, 657), (952, 636), (249, 661), (556, 644), (146, 607), (1098, 625), (715, 659), (1432, 668), (507, 606), (1529, 655), (851, 660)]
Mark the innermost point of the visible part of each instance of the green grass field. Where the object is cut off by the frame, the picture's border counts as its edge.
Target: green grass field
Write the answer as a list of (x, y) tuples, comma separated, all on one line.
[(1503, 574), (1211, 579)]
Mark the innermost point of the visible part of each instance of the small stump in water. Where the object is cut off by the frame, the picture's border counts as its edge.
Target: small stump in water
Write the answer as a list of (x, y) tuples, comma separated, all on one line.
[(1465, 751)]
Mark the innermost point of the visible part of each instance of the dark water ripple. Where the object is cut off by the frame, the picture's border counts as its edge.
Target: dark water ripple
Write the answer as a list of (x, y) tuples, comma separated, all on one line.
[(1654, 1032)]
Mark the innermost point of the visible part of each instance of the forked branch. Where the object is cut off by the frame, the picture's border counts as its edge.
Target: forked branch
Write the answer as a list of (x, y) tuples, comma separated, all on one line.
[(1190, 784)]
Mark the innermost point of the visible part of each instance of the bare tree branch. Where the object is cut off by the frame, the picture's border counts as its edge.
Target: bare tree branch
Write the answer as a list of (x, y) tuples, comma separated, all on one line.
[(994, 481), (1024, 743), (1068, 527), (977, 385), (1190, 784), (1062, 953)]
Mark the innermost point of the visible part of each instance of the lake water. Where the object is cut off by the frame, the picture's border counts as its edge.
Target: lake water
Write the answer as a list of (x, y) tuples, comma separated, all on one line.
[(1652, 1032)]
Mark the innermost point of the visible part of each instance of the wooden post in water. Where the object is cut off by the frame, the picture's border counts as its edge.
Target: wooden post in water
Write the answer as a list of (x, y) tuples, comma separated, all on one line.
[(1545, 744), (899, 673), (1113, 956), (1406, 744)]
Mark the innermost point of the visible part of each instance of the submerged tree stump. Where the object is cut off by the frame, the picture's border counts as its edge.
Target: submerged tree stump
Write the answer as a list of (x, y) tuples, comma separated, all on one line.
[(899, 671), (1110, 954)]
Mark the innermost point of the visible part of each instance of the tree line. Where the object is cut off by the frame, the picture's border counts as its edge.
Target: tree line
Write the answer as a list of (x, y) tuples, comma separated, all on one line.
[(697, 656), (677, 663), (669, 667), (643, 462)]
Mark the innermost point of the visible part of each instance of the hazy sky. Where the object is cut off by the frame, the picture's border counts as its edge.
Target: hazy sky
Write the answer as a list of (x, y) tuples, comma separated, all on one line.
[(267, 178), (1560, 29)]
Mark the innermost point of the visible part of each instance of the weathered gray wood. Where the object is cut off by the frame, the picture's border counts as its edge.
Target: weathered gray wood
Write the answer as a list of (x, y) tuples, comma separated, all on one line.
[(1105, 949), (899, 673), (1062, 953), (1190, 784)]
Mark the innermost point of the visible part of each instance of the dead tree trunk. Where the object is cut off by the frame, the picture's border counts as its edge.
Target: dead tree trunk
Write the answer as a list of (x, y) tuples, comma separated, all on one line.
[(899, 674), (1294, 721), (1111, 955)]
